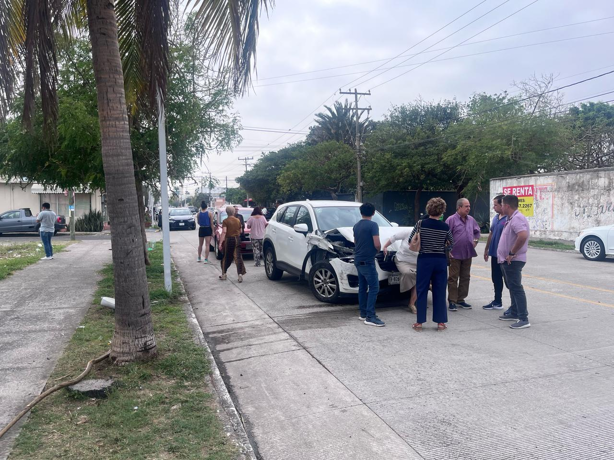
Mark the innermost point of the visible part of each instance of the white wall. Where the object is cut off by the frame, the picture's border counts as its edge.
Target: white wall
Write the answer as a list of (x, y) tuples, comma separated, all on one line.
[(13, 197), (566, 203)]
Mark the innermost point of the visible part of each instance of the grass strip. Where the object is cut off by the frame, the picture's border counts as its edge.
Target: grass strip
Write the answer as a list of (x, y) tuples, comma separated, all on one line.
[(160, 410), (546, 244), (17, 256)]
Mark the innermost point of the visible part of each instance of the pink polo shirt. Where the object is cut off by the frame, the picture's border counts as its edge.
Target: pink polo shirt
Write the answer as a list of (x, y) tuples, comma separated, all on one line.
[(514, 225)]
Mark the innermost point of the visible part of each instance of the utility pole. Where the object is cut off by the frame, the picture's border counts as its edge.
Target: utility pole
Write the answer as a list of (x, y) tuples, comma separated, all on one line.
[(71, 213), (166, 237), (246, 159), (357, 143)]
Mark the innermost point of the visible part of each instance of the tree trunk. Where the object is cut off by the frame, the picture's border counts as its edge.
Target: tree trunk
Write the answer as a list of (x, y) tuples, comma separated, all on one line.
[(417, 205), (141, 197), (133, 338)]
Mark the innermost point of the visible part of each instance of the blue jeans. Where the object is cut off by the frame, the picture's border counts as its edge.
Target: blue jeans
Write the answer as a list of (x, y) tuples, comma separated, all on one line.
[(46, 238), (368, 288), (513, 279), (435, 270)]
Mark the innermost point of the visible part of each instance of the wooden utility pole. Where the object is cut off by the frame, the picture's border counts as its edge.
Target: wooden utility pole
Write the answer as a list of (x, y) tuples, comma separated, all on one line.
[(246, 159), (357, 142)]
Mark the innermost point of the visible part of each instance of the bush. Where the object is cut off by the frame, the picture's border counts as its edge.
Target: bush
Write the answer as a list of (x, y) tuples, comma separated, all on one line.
[(90, 222)]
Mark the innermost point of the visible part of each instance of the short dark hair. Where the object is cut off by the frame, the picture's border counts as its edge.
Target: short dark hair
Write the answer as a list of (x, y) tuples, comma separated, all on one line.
[(46, 206), (367, 210), (279, 202), (257, 211), (511, 200), (203, 205), (498, 199), (436, 206)]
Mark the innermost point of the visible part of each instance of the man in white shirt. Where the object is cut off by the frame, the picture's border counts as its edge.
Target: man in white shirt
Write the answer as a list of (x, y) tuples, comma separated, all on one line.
[(47, 218), (406, 261)]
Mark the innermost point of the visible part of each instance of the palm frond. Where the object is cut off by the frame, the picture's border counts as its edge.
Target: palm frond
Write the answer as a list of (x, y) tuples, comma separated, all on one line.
[(12, 36), (230, 29)]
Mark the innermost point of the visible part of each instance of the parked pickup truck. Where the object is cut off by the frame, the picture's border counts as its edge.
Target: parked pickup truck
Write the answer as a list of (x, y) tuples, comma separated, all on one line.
[(22, 220)]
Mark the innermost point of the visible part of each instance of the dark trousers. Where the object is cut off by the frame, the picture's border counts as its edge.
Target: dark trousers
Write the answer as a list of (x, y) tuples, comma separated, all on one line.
[(497, 279), (435, 270), (513, 280), (46, 239), (458, 280), (368, 288)]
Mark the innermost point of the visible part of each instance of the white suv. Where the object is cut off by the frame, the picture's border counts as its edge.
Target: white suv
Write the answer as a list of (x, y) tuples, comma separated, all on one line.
[(314, 240)]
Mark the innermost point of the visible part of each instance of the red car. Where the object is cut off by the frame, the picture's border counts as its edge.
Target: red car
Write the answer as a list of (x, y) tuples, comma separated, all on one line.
[(218, 217)]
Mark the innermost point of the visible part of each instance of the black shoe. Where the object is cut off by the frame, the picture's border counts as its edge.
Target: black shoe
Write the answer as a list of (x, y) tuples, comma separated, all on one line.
[(493, 306), (464, 305), (452, 306)]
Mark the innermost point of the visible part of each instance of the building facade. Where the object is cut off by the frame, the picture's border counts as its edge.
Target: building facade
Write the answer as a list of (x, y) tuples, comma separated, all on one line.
[(560, 205)]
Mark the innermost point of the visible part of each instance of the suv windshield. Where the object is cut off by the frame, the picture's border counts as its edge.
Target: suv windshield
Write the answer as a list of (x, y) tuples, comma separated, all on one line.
[(180, 212), (344, 216)]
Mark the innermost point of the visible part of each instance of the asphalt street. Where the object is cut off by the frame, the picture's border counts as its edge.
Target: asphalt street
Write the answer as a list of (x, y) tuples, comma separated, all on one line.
[(311, 381)]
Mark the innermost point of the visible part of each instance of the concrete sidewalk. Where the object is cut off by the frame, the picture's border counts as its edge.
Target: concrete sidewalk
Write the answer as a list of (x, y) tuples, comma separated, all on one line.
[(41, 307), (293, 407)]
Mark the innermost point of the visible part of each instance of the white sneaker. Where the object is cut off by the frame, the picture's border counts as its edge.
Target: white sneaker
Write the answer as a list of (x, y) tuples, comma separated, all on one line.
[(47, 258), (198, 260)]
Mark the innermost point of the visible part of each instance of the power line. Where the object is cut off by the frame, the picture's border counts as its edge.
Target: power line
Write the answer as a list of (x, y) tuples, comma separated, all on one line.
[(439, 49), (347, 84), (417, 64), (447, 51)]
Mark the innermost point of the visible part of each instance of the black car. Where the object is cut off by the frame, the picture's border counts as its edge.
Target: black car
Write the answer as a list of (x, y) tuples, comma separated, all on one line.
[(179, 219)]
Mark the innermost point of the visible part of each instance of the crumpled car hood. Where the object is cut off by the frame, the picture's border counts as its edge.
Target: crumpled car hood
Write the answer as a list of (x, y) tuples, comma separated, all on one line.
[(384, 234)]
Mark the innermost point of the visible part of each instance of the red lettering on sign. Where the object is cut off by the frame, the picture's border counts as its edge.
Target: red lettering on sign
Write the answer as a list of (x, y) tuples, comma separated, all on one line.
[(519, 190)]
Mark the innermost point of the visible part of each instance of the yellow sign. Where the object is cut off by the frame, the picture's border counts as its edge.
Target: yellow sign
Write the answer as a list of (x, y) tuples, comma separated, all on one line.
[(525, 194)]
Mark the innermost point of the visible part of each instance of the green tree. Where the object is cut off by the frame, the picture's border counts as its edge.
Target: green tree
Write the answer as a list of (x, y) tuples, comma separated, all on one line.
[(328, 166), (406, 150), (261, 180), (235, 195), (338, 124), (27, 32)]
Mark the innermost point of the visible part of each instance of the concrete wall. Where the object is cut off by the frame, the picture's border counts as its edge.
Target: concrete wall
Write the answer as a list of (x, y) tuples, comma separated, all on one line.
[(566, 203), (12, 196)]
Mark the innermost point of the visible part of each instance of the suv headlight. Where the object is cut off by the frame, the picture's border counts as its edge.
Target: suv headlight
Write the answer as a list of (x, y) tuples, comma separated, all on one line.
[(191, 220)]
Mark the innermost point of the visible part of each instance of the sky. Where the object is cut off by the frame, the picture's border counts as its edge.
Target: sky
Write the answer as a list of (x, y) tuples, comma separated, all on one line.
[(301, 36)]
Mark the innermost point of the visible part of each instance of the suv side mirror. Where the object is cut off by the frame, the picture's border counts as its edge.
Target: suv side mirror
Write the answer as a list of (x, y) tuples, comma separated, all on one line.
[(394, 224), (301, 228)]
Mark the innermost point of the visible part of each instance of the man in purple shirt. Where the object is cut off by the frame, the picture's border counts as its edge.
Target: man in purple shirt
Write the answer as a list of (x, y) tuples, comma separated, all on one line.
[(512, 257), (466, 233)]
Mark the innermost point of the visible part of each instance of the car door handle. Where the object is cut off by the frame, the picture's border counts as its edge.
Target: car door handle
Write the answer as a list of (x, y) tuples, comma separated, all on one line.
[(290, 238)]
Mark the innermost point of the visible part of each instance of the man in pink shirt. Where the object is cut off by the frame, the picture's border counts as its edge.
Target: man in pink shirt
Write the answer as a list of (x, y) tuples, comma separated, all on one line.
[(466, 233), (512, 257)]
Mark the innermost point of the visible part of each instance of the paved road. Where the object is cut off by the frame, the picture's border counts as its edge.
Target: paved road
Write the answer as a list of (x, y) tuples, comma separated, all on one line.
[(40, 309), (313, 382)]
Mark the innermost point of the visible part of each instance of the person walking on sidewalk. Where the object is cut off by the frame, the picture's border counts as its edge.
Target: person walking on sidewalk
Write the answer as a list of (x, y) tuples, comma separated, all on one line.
[(46, 218), (205, 231), (496, 227), (367, 245), (230, 244), (466, 233), (406, 261), (512, 257), (435, 239), (257, 224)]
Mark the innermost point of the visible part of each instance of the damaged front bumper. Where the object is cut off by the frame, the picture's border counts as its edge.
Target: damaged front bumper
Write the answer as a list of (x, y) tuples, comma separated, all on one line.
[(334, 247)]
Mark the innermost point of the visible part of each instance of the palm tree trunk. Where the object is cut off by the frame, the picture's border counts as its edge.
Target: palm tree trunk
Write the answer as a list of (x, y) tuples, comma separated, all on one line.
[(134, 336), (141, 198)]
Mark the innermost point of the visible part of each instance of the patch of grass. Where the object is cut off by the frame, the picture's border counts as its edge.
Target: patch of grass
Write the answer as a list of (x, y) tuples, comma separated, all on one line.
[(546, 244), (161, 409), (16, 256)]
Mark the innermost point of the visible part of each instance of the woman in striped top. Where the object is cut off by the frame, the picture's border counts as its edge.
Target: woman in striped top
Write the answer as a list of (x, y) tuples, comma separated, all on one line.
[(435, 240)]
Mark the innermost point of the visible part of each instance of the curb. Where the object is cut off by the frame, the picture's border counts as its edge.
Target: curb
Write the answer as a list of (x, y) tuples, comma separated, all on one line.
[(236, 422)]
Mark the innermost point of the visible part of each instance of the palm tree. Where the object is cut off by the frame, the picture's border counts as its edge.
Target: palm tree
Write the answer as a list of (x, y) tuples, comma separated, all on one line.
[(27, 41), (338, 124)]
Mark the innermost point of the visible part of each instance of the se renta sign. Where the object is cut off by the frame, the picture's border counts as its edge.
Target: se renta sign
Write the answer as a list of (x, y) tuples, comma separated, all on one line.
[(525, 194)]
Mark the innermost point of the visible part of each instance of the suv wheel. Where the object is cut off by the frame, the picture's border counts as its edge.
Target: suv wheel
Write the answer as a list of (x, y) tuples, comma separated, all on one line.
[(323, 282), (272, 272), (592, 249), (219, 255)]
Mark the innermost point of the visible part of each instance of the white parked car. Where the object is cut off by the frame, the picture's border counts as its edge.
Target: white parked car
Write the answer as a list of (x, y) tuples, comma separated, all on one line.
[(314, 240), (596, 243)]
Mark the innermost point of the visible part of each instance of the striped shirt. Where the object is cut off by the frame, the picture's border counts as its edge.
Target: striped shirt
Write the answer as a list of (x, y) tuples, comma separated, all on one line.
[(434, 236)]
